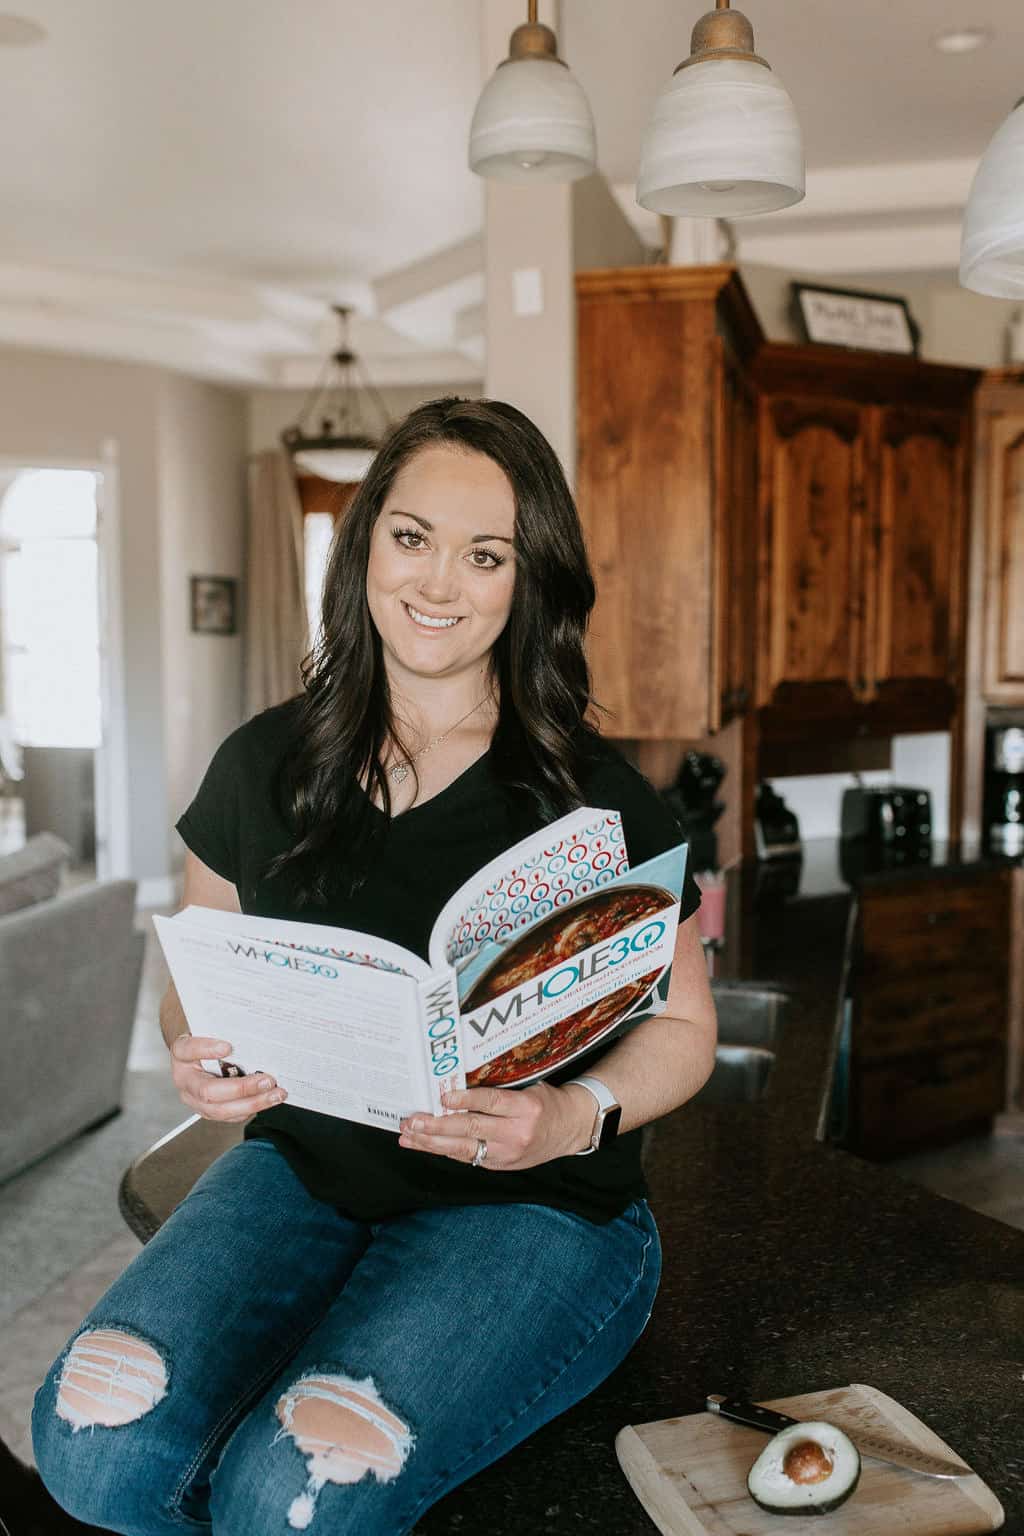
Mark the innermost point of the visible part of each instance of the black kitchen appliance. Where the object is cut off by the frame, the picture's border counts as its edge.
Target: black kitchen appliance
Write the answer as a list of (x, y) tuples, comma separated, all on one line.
[(883, 826), (1004, 788), (776, 829), (692, 802), (887, 815)]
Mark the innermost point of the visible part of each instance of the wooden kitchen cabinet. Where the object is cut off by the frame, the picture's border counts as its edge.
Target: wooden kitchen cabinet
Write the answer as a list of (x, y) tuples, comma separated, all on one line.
[(735, 570), (861, 541), (931, 999), (811, 547), (995, 643), (666, 479), (999, 526), (1005, 583), (917, 578)]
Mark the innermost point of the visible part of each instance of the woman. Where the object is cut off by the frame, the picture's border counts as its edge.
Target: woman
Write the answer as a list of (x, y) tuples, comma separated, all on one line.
[(339, 1325)]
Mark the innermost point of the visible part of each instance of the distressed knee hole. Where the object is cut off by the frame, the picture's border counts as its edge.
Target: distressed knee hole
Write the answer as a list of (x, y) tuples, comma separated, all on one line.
[(109, 1378), (345, 1431)]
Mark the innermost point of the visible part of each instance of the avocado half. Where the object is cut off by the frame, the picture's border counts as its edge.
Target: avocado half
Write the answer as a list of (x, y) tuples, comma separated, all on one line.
[(808, 1469)]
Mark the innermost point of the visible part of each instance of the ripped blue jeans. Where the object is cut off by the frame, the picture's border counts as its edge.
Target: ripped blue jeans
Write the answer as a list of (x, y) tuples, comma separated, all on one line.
[(266, 1364)]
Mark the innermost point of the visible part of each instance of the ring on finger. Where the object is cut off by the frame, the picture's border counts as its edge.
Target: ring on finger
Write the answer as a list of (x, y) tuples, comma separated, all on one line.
[(480, 1153)]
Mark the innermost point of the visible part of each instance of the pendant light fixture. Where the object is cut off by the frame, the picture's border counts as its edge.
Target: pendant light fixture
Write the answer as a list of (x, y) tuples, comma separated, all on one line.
[(992, 240), (723, 139), (532, 121), (341, 449)]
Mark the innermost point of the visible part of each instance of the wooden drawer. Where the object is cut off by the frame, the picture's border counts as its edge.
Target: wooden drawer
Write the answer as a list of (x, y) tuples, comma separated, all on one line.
[(920, 926), (921, 1100), (927, 1012)]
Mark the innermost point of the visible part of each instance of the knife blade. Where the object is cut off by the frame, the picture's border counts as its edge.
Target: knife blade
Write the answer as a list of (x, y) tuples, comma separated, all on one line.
[(756, 1416)]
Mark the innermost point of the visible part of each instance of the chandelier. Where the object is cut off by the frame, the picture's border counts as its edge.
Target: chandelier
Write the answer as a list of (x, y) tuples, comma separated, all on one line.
[(329, 438)]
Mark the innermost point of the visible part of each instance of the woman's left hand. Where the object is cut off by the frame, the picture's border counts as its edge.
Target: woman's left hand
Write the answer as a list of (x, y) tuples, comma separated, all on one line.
[(521, 1126)]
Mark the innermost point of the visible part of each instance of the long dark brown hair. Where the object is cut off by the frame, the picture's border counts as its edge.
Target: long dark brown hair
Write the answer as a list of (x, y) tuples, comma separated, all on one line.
[(538, 667)]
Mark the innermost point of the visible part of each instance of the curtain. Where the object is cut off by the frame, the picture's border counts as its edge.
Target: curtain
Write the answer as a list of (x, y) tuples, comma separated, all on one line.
[(276, 627)]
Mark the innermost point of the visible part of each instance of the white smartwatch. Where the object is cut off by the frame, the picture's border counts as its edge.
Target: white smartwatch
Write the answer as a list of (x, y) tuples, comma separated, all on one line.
[(609, 1113)]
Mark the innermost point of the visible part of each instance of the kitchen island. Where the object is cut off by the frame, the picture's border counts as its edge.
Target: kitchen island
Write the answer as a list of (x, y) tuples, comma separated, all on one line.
[(789, 1267)]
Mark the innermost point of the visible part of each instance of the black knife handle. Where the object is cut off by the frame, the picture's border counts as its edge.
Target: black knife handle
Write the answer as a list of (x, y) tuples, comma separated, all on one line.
[(751, 1414)]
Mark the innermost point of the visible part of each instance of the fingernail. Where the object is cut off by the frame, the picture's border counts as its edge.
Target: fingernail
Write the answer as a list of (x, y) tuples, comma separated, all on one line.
[(264, 1082), (278, 1096), (416, 1125)]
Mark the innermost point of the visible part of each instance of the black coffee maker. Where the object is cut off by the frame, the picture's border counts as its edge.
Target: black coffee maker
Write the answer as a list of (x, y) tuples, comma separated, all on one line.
[(1004, 787), (692, 801)]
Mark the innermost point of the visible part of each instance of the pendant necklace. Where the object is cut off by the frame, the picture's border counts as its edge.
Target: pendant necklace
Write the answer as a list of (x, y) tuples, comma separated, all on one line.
[(399, 772)]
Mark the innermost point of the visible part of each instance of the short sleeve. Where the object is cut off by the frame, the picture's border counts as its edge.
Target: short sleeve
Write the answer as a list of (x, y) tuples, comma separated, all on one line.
[(648, 824), (210, 826)]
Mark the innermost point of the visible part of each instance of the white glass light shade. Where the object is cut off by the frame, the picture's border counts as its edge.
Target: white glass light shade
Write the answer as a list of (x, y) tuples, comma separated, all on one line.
[(532, 123), (992, 242), (723, 141), (345, 464)]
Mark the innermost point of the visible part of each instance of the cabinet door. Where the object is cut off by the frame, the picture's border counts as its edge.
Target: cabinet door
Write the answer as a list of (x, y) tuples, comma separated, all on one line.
[(812, 500), (929, 1037), (735, 528), (912, 1102), (1004, 595), (915, 588), (645, 373)]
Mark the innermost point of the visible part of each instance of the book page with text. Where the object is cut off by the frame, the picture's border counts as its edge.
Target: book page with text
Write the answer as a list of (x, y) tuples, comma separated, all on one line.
[(340, 1037)]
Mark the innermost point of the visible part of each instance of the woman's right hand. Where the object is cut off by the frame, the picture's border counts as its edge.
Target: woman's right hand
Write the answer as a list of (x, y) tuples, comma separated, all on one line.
[(218, 1098)]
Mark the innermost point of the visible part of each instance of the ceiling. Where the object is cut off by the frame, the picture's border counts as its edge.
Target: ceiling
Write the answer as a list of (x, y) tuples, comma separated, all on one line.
[(191, 182)]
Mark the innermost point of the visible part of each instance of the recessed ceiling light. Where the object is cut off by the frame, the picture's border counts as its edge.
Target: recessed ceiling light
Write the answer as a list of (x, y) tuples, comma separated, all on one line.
[(20, 32), (962, 39)]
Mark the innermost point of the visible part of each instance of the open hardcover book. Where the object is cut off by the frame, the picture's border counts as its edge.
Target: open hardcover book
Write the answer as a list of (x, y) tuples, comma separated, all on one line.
[(547, 950)]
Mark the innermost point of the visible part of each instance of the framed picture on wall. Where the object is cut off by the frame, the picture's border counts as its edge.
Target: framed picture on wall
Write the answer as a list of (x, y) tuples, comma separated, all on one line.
[(846, 317), (214, 605)]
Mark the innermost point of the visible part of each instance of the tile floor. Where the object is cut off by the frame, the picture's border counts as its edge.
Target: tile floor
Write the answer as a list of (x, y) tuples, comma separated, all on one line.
[(63, 1240)]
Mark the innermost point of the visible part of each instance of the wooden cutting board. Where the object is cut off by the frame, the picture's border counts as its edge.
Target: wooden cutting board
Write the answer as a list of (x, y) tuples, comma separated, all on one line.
[(690, 1474)]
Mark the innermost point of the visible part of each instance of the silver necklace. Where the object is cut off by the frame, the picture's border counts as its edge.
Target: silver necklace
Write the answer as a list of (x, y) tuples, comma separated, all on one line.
[(399, 772)]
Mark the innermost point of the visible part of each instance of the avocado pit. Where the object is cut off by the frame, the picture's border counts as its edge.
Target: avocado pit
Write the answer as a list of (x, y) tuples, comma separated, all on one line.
[(807, 1462)]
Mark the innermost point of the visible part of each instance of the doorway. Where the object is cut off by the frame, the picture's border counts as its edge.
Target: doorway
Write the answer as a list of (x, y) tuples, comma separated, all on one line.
[(61, 717)]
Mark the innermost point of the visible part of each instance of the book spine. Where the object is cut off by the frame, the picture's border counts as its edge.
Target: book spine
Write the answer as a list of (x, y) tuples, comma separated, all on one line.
[(441, 1035)]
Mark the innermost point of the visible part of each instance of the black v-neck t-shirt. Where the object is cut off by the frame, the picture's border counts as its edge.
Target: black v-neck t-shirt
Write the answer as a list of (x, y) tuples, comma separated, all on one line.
[(235, 827)]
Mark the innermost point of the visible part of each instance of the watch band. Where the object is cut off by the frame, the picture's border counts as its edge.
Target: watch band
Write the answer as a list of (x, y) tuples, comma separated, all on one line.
[(609, 1113)]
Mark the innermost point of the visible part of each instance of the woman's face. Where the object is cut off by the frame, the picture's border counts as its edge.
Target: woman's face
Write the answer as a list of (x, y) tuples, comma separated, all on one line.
[(441, 570)]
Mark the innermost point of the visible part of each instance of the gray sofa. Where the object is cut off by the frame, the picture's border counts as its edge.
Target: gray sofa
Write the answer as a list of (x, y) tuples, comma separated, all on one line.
[(70, 967)]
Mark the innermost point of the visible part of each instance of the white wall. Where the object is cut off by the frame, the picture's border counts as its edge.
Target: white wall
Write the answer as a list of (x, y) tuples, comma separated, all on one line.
[(202, 448), (919, 761)]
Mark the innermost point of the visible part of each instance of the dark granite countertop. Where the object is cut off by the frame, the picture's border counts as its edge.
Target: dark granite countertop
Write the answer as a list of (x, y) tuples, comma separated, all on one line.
[(790, 1267), (827, 867)]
